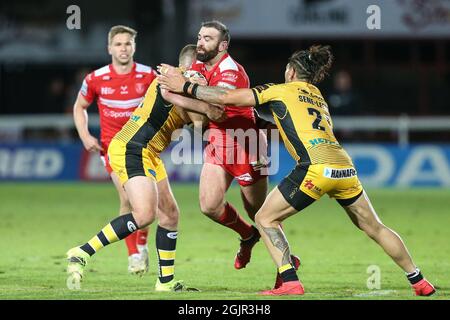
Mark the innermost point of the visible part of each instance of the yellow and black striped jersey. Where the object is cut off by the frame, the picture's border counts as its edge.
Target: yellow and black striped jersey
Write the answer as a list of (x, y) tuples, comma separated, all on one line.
[(152, 123), (301, 114)]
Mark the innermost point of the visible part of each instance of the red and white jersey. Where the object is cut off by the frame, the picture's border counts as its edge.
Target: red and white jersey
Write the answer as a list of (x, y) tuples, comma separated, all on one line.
[(229, 74), (117, 96)]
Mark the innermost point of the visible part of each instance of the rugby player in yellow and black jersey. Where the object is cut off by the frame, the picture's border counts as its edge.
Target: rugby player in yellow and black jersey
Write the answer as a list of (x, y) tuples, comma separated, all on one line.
[(134, 155), (323, 166)]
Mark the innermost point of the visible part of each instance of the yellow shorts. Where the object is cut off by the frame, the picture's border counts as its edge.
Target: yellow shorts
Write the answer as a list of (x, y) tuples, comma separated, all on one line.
[(338, 181), (132, 160)]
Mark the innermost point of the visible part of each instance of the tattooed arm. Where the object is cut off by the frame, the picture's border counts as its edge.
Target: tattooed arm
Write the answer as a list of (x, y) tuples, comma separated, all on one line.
[(172, 80), (212, 112), (224, 96)]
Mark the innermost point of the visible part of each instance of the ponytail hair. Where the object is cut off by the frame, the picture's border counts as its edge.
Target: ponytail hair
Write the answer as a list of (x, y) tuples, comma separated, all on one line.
[(312, 64)]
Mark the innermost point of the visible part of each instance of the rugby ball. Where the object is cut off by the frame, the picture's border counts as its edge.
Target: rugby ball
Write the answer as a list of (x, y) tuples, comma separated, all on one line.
[(192, 74)]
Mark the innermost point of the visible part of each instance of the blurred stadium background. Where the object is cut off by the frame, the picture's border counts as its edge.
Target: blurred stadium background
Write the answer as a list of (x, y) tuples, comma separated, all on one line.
[(388, 92), (389, 89)]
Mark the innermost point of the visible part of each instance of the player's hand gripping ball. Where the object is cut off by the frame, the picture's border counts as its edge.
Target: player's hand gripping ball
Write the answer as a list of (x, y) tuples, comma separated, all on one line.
[(195, 77)]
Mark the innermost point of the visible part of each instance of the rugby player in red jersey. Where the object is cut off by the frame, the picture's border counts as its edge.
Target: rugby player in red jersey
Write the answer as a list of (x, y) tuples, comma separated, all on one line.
[(119, 88), (228, 157)]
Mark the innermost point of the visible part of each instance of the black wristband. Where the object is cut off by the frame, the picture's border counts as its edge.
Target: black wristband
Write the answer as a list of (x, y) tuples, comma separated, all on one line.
[(194, 90), (186, 86)]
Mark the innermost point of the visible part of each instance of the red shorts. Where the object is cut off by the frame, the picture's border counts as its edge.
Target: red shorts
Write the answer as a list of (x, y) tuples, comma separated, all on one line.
[(105, 162), (244, 163)]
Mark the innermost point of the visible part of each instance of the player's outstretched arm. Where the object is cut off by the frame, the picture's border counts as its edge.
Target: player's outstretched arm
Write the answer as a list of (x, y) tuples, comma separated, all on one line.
[(172, 80), (215, 113), (224, 96)]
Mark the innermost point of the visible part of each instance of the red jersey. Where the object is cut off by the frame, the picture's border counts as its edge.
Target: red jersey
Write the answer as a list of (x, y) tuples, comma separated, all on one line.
[(117, 96), (229, 74)]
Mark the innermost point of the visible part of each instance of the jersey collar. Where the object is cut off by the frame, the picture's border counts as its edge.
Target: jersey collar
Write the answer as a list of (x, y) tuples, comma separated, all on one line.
[(214, 67), (115, 74)]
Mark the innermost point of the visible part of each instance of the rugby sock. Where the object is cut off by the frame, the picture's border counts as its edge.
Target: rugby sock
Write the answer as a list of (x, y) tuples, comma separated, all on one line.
[(288, 273), (415, 276), (231, 219), (141, 239), (116, 230), (166, 242), (130, 241)]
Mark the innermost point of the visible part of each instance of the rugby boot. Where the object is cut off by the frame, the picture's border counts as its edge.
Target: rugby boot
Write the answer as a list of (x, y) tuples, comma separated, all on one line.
[(278, 280), (286, 288), (245, 251), (423, 288)]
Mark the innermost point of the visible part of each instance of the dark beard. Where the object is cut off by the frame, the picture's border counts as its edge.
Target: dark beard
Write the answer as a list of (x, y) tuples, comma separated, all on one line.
[(208, 55)]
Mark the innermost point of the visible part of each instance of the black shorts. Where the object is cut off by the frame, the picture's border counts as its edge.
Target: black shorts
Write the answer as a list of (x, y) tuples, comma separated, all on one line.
[(290, 188)]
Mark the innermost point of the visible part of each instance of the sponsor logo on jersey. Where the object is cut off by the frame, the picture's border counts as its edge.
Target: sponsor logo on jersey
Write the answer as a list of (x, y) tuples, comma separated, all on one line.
[(308, 184), (140, 88), (106, 78), (317, 190), (229, 76), (152, 172), (123, 89), (339, 173), (131, 226), (106, 90), (245, 177), (317, 141), (172, 235), (114, 114), (135, 118), (139, 76)]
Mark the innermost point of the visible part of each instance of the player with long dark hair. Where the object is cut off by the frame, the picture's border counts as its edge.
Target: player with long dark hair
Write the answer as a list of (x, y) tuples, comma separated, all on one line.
[(323, 166)]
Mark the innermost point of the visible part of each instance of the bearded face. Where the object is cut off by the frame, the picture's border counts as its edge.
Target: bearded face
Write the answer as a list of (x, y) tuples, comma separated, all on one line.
[(208, 42), (205, 55)]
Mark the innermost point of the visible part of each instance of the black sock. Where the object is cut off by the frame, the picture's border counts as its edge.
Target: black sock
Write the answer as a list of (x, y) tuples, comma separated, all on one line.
[(116, 230), (415, 276), (289, 275), (166, 242)]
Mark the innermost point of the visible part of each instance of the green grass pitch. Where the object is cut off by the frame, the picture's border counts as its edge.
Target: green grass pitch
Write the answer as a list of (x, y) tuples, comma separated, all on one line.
[(40, 222)]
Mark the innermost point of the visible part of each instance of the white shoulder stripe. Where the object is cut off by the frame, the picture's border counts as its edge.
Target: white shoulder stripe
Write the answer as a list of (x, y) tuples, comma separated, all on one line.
[(143, 68), (121, 104), (228, 64), (101, 71)]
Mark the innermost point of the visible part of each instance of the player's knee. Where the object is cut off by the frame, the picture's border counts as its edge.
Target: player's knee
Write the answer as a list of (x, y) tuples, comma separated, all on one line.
[(263, 219), (360, 217), (251, 210), (173, 212), (144, 218), (168, 217), (211, 209)]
